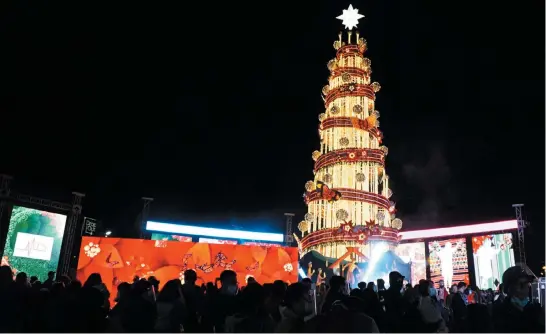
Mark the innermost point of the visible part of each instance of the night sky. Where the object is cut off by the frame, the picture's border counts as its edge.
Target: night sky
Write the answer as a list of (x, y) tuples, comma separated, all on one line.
[(212, 109)]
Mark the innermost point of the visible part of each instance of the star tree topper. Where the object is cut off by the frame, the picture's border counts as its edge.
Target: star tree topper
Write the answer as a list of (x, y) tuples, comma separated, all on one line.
[(350, 17)]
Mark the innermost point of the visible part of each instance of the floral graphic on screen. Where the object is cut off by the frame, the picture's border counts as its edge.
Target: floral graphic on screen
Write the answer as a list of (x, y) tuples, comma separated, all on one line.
[(120, 260)]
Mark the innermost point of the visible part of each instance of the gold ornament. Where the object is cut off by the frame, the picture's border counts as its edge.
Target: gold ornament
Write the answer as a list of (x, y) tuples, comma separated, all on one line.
[(375, 114), (357, 109), (303, 226), (327, 178), (385, 149), (315, 155), (360, 177), (376, 87), (346, 77), (322, 117), (389, 193), (337, 45), (332, 64), (343, 141), (342, 214), (361, 44), (380, 216), (396, 223), (377, 123), (366, 62), (309, 217), (325, 90), (334, 110), (310, 186)]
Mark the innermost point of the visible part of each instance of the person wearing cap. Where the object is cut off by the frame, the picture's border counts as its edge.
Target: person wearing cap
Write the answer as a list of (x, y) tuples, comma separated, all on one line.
[(516, 314), (395, 306)]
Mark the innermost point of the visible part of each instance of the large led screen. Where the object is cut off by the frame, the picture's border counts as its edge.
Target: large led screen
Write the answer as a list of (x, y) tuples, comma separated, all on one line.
[(448, 261), (413, 254), (33, 243), (120, 260), (171, 237), (493, 254)]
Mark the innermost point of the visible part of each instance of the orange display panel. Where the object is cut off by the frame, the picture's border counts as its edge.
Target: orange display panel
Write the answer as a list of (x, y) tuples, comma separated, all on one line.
[(119, 260)]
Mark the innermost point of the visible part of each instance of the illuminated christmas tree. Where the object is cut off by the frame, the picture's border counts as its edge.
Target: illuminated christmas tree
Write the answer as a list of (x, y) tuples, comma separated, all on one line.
[(349, 207)]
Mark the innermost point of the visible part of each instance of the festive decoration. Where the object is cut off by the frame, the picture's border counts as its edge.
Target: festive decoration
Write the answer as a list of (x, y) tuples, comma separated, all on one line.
[(322, 117), (332, 65), (397, 223), (303, 226), (315, 155), (350, 17), (309, 217), (350, 177), (342, 214), (309, 185), (360, 177)]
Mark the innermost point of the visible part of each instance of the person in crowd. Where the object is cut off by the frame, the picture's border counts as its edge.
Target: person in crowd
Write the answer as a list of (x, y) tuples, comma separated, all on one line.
[(295, 307), (225, 302), (372, 287), (307, 282), (458, 306), (345, 316), (516, 314), (171, 308), (442, 293), (115, 325), (193, 295), (362, 286), (251, 315), (49, 281), (395, 306), (428, 309), (338, 291), (33, 279), (139, 313)]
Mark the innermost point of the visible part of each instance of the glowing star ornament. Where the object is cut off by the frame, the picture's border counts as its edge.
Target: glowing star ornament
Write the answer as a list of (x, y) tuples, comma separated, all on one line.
[(350, 17)]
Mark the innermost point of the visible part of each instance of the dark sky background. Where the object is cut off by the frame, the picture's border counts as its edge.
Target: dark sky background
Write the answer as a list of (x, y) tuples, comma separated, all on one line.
[(212, 108)]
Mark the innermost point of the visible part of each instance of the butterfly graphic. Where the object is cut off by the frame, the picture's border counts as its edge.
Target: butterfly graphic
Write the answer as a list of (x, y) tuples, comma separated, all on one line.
[(111, 264), (220, 260), (253, 267), (206, 268), (327, 193)]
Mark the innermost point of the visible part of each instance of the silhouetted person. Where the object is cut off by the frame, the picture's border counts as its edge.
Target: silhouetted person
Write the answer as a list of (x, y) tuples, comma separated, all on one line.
[(516, 313), (49, 281), (294, 308), (224, 304), (251, 316), (171, 309)]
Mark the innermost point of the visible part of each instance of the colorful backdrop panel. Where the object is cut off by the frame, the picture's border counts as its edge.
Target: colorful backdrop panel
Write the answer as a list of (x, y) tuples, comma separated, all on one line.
[(493, 254), (33, 243), (448, 261), (119, 260), (414, 254)]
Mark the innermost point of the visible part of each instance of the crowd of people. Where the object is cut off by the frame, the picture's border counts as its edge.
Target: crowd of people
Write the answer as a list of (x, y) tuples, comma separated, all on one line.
[(66, 305)]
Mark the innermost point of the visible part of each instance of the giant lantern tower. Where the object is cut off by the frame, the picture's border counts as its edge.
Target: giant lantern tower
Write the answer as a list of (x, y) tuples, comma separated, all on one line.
[(350, 213)]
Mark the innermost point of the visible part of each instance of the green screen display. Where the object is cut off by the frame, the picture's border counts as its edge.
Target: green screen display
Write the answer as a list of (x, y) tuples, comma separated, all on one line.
[(33, 242)]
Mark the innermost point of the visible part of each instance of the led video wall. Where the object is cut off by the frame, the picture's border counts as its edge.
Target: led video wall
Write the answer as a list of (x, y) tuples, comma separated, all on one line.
[(413, 254), (119, 260), (171, 237), (33, 242), (448, 261), (493, 254)]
